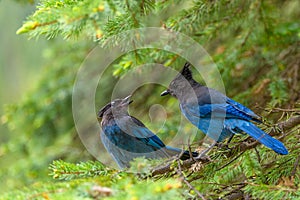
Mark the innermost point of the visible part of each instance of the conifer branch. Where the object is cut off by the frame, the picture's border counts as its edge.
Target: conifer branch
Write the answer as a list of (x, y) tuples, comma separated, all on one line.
[(289, 124), (293, 173), (179, 171), (241, 147)]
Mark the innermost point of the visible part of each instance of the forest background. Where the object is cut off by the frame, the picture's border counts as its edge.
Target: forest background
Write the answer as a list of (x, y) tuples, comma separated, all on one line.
[(254, 44)]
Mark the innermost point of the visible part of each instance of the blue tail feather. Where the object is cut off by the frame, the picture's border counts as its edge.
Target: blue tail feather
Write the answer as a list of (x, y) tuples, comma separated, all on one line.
[(263, 137)]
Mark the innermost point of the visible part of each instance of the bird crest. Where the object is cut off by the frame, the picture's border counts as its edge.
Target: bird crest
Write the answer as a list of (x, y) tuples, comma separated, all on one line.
[(103, 110), (186, 72)]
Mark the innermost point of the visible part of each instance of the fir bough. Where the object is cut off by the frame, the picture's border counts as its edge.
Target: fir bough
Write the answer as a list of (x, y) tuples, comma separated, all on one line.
[(255, 45)]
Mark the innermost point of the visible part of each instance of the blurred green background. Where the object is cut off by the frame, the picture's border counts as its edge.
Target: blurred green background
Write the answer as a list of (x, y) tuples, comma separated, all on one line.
[(255, 45), (21, 62)]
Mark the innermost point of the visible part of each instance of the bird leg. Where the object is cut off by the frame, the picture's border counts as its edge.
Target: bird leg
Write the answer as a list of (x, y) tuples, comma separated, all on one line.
[(226, 145), (229, 140), (205, 151)]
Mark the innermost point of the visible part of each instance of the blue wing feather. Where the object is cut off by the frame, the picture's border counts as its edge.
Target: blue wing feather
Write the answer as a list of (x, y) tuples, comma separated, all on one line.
[(217, 110), (243, 109), (237, 118)]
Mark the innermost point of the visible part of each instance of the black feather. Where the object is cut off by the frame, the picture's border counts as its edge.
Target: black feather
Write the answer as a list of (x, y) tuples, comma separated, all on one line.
[(186, 72), (102, 111)]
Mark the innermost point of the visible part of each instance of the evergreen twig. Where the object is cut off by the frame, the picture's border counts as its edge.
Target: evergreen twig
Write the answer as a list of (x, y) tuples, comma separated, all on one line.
[(241, 147), (179, 171)]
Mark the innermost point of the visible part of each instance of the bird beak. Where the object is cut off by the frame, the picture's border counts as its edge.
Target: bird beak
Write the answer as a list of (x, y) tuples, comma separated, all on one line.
[(164, 93), (127, 100)]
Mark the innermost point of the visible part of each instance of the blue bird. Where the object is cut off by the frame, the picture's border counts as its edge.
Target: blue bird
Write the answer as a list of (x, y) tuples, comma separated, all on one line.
[(215, 114), (126, 138)]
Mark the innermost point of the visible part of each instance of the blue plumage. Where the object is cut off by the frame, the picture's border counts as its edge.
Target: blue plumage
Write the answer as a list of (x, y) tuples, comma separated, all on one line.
[(215, 114), (126, 138)]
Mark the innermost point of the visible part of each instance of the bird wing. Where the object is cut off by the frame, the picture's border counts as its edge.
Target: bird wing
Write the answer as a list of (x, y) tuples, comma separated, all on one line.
[(217, 110), (134, 138), (211, 100), (243, 109), (154, 141), (202, 111), (137, 129)]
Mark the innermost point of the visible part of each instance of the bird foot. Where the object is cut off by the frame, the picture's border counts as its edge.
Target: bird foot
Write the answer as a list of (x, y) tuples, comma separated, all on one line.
[(205, 151), (223, 146)]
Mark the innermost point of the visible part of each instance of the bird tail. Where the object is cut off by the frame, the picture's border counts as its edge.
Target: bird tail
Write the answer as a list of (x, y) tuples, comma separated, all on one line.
[(264, 138), (172, 151)]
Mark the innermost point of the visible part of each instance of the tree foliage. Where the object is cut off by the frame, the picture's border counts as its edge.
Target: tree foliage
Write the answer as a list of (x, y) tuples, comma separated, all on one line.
[(255, 45)]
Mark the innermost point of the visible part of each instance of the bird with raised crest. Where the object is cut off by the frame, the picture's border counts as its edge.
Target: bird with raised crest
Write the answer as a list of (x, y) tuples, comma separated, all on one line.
[(215, 114)]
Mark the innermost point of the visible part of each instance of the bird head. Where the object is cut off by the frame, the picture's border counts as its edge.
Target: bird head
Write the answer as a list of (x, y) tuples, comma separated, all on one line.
[(116, 107), (180, 82)]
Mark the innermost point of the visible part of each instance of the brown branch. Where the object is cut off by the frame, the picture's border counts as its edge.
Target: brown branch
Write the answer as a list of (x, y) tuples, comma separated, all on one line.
[(236, 193), (190, 149), (179, 171), (42, 24), (242, 147), (225, 165), (295, 166), (258, 156), (283, 126), (274, 187), (77, 173), (185, 165), (285, 110), (292, 122), (135, 21)]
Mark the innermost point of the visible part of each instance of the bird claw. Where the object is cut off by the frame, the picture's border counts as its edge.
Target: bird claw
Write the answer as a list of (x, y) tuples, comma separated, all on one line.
[(203, 153), (223, 146)]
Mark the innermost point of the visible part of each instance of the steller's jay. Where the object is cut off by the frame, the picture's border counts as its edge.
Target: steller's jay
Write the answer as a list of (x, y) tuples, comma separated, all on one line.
[(212, 111), (126, 138)]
